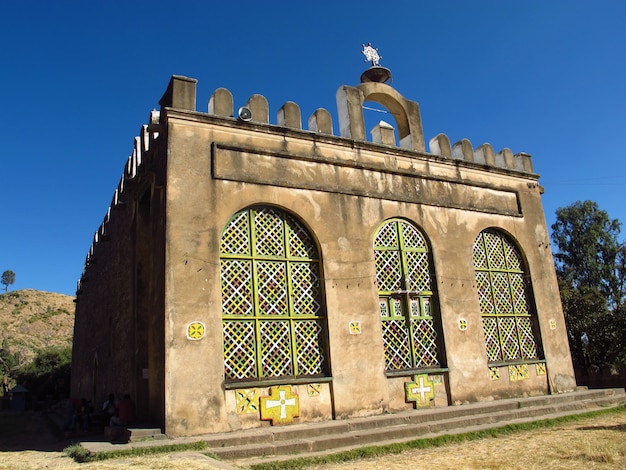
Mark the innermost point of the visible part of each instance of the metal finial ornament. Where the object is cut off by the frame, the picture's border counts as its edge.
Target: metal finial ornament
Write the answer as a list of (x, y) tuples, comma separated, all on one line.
[(371, 54), (375, 73)]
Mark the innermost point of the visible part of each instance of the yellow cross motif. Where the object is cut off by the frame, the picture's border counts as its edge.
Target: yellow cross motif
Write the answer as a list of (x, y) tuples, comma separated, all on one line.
[(281, 406), (421, 390), (195, 330), (355, 327)]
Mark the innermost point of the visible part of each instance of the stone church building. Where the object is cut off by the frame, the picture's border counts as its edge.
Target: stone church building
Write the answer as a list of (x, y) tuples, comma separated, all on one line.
[(251, 273)]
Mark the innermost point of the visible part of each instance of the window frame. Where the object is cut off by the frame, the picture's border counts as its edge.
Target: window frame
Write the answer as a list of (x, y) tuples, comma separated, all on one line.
[(400, 299), (508, 309), (272, 292)]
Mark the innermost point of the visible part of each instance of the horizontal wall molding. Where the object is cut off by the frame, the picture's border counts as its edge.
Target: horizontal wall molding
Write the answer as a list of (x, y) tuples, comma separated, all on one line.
[(318, 174)]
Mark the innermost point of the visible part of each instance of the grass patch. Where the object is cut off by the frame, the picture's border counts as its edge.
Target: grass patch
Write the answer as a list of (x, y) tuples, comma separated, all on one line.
[(81, 455), (78, 453), (439, 441)]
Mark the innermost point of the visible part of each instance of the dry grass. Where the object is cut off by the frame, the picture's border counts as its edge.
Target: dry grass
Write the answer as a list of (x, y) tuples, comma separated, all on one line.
[(598, 443), (30, 460), (31, 320)]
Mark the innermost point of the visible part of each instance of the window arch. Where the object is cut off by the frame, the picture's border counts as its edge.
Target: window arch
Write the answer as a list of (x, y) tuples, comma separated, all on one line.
[(273, 319), (503, 290), (407, 310)]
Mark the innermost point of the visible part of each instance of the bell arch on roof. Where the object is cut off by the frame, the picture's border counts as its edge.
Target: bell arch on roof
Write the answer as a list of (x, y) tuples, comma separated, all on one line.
[(406, 113)]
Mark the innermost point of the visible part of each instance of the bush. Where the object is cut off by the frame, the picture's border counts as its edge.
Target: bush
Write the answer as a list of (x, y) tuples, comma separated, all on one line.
[(48, 374), (78, 453)]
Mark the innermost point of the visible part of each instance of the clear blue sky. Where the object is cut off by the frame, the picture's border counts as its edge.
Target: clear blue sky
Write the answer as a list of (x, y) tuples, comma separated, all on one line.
[(79, 78)]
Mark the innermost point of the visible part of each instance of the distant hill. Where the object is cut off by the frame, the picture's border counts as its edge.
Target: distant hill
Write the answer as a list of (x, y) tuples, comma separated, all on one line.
[(31, 320)]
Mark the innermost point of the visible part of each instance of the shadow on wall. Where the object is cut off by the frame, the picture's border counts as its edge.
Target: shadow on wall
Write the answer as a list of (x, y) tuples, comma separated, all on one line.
[(607, 377)]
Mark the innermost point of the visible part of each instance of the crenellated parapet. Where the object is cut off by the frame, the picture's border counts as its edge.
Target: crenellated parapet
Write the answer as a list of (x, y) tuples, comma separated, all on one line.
[(350, 105), (404, 133), (142, 151), (181, 94), (483, 155)]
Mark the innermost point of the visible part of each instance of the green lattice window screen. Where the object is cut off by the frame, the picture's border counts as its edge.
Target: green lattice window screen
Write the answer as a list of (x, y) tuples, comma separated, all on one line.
[(504, 299), (272, 315), (403, 272)]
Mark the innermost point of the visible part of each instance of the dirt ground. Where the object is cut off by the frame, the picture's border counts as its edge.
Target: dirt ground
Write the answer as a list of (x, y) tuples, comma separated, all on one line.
[(598, 443), (35, 445)]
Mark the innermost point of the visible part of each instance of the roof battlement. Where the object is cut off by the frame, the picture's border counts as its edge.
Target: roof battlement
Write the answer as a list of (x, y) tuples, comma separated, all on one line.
[(181, 96)]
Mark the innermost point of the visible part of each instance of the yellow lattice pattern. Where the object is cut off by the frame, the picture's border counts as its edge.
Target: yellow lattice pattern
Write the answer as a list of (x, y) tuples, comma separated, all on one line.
[(518, 372), (270, 277)]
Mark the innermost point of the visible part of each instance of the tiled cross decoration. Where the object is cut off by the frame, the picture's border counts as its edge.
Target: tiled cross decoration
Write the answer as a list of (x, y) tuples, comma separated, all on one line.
[(281, 406), (421, 391)]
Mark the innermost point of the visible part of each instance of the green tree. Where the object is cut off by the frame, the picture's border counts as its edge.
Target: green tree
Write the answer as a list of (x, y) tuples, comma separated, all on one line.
[(8, 278), (589, 260), (49, 373), (9, 365)]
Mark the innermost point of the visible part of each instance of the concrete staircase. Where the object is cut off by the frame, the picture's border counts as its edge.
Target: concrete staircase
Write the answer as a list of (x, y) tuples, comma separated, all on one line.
[(122, 434), (267, 444), (281, 442), (145, 434)]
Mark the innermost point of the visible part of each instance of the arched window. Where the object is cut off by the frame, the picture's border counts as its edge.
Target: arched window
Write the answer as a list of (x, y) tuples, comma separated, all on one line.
[(505, 305), (272, 313), (407, 310)]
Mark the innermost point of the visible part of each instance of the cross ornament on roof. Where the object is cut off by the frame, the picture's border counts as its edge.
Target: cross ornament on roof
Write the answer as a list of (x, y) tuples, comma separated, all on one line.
[(371, 54)]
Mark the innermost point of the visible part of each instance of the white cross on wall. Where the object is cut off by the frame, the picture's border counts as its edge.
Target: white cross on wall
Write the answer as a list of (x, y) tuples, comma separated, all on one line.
[(422, 389), (282, 402)]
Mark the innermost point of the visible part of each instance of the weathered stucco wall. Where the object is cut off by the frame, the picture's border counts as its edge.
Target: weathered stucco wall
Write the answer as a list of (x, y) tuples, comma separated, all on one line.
[(118, 332), (343, 192)]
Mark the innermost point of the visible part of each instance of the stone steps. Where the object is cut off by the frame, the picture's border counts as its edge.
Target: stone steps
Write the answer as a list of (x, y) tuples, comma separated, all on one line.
[(121, 434), (143, 434), (267, 444), (278, 443)]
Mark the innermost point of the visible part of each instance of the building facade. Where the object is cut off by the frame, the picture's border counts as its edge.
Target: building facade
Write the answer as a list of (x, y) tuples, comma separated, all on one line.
[(250, 274)]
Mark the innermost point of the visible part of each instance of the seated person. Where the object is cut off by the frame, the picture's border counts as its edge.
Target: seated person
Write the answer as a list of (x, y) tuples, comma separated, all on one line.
[(108, 408), (125, 412)]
